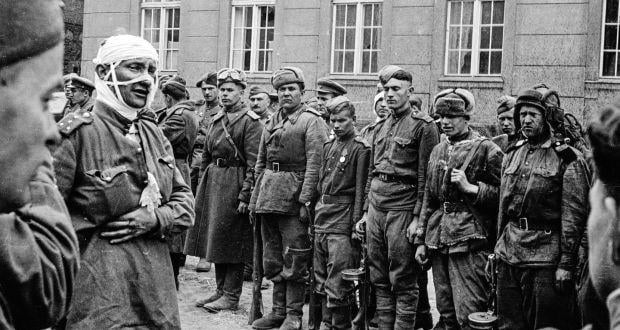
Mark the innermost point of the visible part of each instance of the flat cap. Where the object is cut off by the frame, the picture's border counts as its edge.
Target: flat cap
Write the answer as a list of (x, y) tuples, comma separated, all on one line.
[(326, 85), (505, 103), (389, 71), (454, 102), (210, 78), (232, 75), (287, 75), (255, 90), (73, 80)]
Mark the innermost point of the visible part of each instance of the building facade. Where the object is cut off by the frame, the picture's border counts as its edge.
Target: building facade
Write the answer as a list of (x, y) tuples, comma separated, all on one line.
[(491, 47), (73, 16)]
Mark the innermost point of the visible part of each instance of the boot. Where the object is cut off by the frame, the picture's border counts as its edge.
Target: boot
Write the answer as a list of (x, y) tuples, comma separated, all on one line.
[(295, 292), (326, 322), (341, 318), (406, 303), (227, 302), (386, 310), (203, 266), (215, 296), (278, 312), (292, 322)]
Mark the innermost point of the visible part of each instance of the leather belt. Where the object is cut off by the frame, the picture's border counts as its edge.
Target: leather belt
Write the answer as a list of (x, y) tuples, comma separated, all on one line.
[(449, 207), (280, 167), (540, 225), (221, 162), (337, 199), (395, 178)]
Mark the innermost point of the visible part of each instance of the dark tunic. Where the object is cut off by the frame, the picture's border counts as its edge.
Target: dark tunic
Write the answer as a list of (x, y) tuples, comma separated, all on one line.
[(101, 174), (223, 235)]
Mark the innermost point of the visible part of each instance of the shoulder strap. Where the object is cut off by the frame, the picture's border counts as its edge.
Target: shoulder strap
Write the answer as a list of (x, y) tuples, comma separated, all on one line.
[(70, 123), (232, 142), (471, 154), (314, 111), (252, 115)]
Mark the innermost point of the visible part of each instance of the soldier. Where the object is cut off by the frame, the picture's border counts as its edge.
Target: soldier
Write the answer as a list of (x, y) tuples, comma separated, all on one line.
[(401, 145), (180, 126), (381, 111), (287, 169), (327, 89), (259, 102), (116, 171), (458, 216), (79, 92), (543, 209), (342, 182), (505, 118), (38, 247), (415, 102), (208, 86)]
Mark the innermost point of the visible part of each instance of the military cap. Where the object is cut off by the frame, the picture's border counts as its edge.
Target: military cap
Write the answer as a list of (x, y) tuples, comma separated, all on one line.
[(329, 86), (73, 80), (505, 103), (530, 97), (209, 78), (287, 75), (336, 104), (29, 28), (232, 75), (454, 102), (255, 90), (389, 71), (175, 87)]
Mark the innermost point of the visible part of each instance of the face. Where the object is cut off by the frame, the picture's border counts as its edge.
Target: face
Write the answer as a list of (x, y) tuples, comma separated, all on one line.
[(322, 99), (381, 108), (342, 123), (289, 96), (209, 92), (230, 94), (453, 125), (531, 119), (506, 122), (136, 94), (76, 95), (26, 126), (397, 93), (259, 103)]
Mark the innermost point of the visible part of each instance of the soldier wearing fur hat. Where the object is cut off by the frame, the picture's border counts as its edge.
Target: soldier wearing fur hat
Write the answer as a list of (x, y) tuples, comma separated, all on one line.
[(542, 213), (287, 173), (505, 118), (326, 90), (79, 92), (401, 145), (458, 218)]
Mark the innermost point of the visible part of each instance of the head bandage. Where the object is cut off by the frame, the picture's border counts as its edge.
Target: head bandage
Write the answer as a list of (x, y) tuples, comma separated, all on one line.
[(115, 50)]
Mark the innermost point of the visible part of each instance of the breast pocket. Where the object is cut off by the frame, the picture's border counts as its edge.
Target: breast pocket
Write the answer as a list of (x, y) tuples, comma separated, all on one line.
[(114, 192), (404, 150), (545, 181)]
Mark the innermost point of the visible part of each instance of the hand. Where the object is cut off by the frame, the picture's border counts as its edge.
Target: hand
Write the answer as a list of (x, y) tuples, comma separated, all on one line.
[(304, 215), (420, 255), (129, 226), (563, 280), (252, 217), (360, 228), (459, 178), (413, 228), (242, 208)]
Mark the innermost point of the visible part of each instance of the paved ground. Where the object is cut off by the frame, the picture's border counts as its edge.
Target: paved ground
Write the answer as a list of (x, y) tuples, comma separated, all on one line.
[(195, 286)]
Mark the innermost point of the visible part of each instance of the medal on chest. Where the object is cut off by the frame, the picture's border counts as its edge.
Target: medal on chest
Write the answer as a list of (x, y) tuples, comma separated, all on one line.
[(343, 156)]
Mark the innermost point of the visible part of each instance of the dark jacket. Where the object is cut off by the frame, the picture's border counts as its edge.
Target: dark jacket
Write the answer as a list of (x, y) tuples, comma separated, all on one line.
[(450, 217), (180, 126), (101, 174), (551, 192), (292, 145), (504, 141)]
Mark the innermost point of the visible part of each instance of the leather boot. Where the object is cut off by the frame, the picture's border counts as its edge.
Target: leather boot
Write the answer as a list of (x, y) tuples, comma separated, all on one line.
[(341, 318), (386, 310), (227, 302), (215, 296), (278, 311), (326, 322), (406, 304), (292, 322), (295, 292)]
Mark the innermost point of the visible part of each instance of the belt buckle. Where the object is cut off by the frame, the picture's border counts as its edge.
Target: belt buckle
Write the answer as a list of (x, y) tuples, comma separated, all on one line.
[(523, 225), (275, 167), (446, 206), (383, 177), (217, 162)]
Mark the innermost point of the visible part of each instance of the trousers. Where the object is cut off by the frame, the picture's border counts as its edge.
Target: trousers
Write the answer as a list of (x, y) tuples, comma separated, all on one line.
[(229, 279), (333, 253)]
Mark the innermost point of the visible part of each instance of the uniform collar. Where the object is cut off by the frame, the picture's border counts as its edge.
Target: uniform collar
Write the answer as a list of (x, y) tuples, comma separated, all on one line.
[(295, 115)]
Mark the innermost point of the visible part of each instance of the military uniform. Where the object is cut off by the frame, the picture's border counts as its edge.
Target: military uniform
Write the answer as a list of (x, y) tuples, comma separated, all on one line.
[(204, 115), (101, 173), (401, 146), (459, 228), (503, 141), (79, 109)]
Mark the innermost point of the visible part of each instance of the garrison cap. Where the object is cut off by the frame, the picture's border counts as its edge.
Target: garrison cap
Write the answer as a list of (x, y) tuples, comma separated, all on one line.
[(337, 103), (175, 87), (287, 75), (255, 90), (329, 86), (209, 78), (73, 80), (389, 71), (454, 102), (505, 103)]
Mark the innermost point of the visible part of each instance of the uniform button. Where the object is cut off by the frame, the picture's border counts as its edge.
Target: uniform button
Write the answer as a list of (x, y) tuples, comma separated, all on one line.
[(61, 124), (527, 163), (69, 121), (87, 114), (523, 175), (139, 149)]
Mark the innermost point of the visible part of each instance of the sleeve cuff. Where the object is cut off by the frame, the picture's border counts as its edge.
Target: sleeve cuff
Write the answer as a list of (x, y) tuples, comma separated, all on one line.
[(164, 218)]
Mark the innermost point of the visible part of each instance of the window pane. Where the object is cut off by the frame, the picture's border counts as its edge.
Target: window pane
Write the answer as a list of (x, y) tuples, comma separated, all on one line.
[(236, 59), (248, 16), (374, 62), (148, 16), (350, 39), (261, 61), (238, 38), (498, 12), (338, 61), (177, 18), (238, 14), (368, 15), (611, 15), (367, 35), (351, 12), (376, 38), (486, 12), (269, 37), (453, 62), (468, 13), (156, 18), (248, 39), (378, 15), (485, 37), (496, 63), (611, 35), (263, 16), (465, 62), (366, 61), (349, 58), (269, 61), (271, 16), (466, 38), (340, 12), (339, 39), (261, 39), (609, 63), (483, 67), (497, 39), (455, 12), (454, 38), (247, 57)]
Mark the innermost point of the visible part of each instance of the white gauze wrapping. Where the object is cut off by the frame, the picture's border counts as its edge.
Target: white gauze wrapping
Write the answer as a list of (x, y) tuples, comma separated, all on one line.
[(115, 50)]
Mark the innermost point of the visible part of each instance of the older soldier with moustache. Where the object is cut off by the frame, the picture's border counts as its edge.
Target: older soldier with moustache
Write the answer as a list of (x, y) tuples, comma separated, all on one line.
[(38, 247), (79, 93), (505, 118), (260, 102), (116, 170)]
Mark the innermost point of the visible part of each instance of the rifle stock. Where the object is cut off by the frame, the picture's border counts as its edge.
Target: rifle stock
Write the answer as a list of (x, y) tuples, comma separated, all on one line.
[(256, 310)]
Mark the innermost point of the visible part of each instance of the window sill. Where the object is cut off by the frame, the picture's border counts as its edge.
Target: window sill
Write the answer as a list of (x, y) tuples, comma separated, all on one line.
[(490, 82), (354, 80), (604, 84)]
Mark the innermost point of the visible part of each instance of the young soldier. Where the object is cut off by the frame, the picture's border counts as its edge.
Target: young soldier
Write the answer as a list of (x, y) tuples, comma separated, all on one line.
[(401, 145), (543, 209), (326, 90), (341, 187), (287, 169), (457, 221), (505, 118)]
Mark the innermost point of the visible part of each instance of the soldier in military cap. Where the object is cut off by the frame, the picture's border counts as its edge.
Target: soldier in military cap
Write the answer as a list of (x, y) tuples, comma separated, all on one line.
[(458, 217), (381, 111), (505, 118), (542, 213), (287, 169), (401, 145), (180, 126), (260, 102), (327, 89), (79, 92)]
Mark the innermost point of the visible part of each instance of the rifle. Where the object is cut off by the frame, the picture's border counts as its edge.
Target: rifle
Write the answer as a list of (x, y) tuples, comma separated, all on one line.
[(314, 305), (256, 310), (362, 276)]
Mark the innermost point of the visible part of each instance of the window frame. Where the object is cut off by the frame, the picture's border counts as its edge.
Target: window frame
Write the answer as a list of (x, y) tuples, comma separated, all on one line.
[(358, 51), (602, 44), (255, 32), (475, 50), (163, 5)]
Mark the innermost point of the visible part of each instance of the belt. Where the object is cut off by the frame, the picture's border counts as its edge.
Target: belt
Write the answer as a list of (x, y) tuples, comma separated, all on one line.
[(337, 199), (449, 207), (395, 178), (540, 225), (280, 167), (221, 162)]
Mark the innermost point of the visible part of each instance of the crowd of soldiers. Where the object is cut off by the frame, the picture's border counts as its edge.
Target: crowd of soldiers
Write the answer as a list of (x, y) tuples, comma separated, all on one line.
[(96, 221)]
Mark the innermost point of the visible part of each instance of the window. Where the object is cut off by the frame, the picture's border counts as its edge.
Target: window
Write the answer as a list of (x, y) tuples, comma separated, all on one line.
[(252, 36), (610, 66), (356, 37), (474, 37), (160, 26)]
